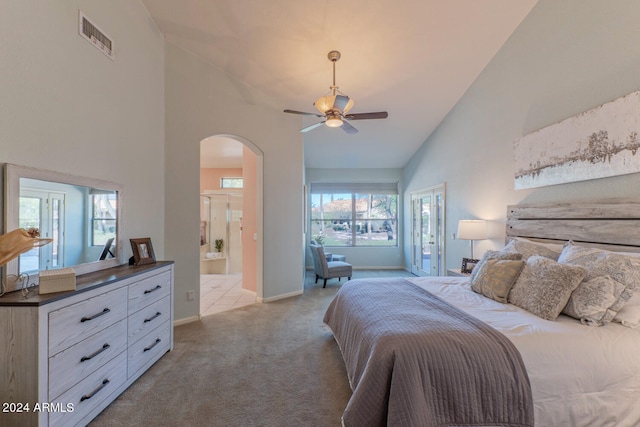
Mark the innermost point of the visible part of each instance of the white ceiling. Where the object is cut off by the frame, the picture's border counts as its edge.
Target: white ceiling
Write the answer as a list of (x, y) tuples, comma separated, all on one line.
[(412, 58)]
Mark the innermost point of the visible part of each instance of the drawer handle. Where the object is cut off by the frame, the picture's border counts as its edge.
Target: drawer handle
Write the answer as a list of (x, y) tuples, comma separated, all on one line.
[(148, 291), (95, 353), (152, 317), (153, 345), (100, 387), (103, 312)]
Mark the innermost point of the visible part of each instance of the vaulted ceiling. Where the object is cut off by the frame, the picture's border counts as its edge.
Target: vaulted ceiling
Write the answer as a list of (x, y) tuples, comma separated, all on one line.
[(412, 58)]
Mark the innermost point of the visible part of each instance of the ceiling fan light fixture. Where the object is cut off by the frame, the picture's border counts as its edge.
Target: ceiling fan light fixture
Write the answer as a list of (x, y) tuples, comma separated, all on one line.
[(334, 121), (348, 107), (334, 107), (329, 102), (325, 103)]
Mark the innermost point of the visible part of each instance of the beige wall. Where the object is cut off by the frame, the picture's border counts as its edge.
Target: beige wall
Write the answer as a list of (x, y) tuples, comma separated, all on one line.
[(565, 58), (201, 101), (66, 107)]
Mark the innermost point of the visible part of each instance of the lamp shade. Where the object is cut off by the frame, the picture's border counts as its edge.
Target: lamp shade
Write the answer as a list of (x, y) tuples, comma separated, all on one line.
[(472, 229)]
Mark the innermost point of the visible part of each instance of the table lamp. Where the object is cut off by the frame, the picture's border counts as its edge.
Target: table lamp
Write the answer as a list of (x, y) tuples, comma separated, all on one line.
[(472, 229)]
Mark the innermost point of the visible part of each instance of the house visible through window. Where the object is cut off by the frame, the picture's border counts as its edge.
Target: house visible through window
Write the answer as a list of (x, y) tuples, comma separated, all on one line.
[(355, 214), (103, 219), (230, 182)]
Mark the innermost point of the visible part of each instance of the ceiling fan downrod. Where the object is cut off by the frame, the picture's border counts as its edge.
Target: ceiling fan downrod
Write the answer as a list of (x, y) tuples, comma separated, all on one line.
[(334, 56)]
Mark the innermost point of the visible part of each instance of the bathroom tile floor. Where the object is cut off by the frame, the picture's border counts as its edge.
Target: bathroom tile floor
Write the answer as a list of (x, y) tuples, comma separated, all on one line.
[(222, 292)]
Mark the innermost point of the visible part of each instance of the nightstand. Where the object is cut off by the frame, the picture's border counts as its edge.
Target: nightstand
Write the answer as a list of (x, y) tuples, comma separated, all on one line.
[(457, 273)]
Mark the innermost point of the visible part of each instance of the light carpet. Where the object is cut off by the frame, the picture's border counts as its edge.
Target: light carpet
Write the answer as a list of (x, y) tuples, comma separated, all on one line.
[(273, 364)]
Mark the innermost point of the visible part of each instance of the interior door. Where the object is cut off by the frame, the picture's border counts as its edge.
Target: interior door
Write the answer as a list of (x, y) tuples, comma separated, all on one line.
[(428, 232), (44, 211)]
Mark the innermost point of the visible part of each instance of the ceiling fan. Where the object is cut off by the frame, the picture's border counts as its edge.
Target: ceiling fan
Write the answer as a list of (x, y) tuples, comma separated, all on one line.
[(334, 108)]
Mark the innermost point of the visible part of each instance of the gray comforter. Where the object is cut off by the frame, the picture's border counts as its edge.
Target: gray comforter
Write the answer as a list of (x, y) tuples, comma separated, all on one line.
[(415, 360)]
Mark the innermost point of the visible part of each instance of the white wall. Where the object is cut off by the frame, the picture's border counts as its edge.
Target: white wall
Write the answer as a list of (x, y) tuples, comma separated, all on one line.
[(201, 101), (363, 257), (565, 58), (66, 107)]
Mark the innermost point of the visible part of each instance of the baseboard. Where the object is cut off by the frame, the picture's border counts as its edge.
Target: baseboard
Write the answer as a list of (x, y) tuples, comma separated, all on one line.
[(247, 291), (373, 267), (283, 296), (186, 320)]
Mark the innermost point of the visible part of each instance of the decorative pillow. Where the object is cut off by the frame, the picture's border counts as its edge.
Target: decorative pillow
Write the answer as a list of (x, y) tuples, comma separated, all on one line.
[(529, 249), (595, 301), (629, 315), (544, 286), (496, 277), (610, 281), (493, 255), (556, 247)]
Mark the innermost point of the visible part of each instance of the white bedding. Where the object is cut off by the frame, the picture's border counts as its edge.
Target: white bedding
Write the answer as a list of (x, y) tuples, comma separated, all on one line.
[(580, 375)]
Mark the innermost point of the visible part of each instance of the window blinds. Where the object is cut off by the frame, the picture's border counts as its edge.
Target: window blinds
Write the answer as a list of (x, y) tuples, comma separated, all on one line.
[(354, 187)]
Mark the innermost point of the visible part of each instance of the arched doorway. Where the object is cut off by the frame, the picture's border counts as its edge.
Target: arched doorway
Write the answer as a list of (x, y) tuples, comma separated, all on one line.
[(231, 216)]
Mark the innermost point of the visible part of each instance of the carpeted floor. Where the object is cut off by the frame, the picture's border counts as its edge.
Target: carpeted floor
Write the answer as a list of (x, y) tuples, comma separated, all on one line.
[(272, 364)]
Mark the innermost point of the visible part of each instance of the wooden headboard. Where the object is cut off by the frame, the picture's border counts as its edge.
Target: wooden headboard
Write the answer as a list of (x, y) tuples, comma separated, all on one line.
[(612, 224)]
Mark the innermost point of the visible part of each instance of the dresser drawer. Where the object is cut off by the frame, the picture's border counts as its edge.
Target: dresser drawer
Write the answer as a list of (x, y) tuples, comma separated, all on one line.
[(149, 348), (149, 290), (72, 365), (90, 392), (149, 318), (70, 325)]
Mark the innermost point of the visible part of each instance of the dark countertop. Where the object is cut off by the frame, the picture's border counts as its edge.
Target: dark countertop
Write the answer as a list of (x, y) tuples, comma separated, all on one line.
[(84, 283)]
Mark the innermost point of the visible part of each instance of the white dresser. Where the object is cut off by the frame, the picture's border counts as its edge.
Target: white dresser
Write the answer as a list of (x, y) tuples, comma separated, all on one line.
[(65, 356)]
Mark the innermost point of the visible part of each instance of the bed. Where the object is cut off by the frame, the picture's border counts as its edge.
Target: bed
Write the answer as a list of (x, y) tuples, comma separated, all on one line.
[(581, 367)]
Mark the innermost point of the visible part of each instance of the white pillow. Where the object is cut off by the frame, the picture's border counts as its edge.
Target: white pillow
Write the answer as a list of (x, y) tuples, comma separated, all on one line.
[(556, 247), (529, 249)]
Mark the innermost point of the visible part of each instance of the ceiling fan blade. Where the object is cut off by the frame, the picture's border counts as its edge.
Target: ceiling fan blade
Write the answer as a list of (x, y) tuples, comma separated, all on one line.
[(348, 128), (313, 126), (364, 116), (341, 102), (303, 113)]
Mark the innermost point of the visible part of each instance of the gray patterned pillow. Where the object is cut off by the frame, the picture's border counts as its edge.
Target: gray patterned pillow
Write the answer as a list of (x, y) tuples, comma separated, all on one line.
[(544, 286), (596, 301), (610, 282), (529, 249), (496, 277), (493, 255)]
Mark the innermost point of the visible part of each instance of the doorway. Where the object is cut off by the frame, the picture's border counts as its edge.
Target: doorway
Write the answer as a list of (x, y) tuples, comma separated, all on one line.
[(230, 208), (428, 231), (221, 233)]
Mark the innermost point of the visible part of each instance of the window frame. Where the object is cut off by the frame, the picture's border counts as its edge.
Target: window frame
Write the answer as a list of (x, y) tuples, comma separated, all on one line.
[(93, 218), (231, 179), (357, 219)]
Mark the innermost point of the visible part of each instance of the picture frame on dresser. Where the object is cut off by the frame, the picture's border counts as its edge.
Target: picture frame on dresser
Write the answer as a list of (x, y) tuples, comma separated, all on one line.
[(142, 251), (468, 264)]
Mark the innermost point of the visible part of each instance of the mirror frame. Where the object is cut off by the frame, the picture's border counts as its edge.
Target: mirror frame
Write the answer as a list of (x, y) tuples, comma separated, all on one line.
[(12, 176)]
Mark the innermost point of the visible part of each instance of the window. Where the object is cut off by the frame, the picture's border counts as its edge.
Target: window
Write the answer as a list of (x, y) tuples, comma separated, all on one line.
[(230, 182), (356, 217), (103, 218)]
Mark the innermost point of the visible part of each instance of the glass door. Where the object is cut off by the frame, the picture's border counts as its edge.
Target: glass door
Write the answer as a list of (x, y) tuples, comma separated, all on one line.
[(44, 211), (428, 238)]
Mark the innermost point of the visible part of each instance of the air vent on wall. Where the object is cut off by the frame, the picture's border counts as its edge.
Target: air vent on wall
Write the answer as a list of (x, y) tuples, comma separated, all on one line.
[(94, 35)]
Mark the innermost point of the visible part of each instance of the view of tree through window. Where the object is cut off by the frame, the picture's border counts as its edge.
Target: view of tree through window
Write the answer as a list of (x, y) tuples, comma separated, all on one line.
[(355, 219)]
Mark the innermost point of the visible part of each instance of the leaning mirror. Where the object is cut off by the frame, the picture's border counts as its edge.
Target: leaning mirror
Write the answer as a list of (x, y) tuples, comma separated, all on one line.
[(82, 215)]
